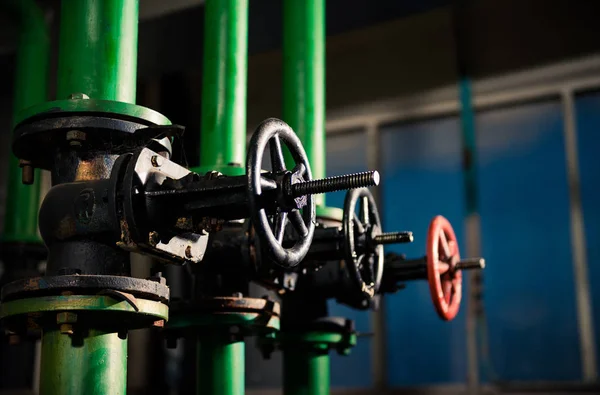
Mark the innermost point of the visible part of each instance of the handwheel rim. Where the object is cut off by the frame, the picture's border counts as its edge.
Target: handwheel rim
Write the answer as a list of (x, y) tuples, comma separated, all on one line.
[(278, 131), (445, 283), (354, 261)]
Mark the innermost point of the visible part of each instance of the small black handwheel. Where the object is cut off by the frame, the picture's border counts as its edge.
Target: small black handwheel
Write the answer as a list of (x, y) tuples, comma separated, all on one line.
[(300, 211), (364, 258)]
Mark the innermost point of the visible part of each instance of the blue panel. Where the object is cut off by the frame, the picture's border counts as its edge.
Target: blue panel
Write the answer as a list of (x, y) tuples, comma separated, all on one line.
[(421, 164), (346, 153), (529, 292), (588, 130)]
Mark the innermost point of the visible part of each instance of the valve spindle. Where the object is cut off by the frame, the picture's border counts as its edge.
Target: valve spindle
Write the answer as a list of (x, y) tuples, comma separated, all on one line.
[(470, 264), (337, 183), (393, 238)]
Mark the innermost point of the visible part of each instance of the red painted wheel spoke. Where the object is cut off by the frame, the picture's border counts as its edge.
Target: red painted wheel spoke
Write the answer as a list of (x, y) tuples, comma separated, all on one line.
[(443, 267), (444, 248)]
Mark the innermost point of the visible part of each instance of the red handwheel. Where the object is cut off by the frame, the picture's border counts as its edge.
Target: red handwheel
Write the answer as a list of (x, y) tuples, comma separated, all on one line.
[(445, 281)]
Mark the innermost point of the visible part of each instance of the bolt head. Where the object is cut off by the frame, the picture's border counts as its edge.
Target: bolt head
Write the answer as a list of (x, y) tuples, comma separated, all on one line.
[(66, 317), (153, 238), (159, 324), (66, 329), (78, 96), (76, 135)]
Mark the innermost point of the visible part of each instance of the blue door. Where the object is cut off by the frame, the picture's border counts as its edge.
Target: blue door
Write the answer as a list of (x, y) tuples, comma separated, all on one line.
[(421, 164), (528, 288), (588, 132)]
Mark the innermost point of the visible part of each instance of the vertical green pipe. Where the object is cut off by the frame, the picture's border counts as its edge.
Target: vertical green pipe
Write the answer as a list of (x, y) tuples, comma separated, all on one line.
[(96, 367), (223, 133), (304, 78), (98, 49), (220, 365), (97, 57), (20, 224), (305, 371)]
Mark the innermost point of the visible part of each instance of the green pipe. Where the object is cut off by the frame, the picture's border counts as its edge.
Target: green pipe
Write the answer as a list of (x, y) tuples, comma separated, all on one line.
[(98, 49), (96, 367), (304, 79), (305, 371), (223, 132), (97, 57), (220, 365), (20, 224)]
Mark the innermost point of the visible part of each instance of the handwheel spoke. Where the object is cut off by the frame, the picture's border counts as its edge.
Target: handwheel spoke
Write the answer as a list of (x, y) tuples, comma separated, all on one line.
[(443, 267), (298, 222), (445, 248), (280, 223), (267, 184), (277, 161), (371, 268), (364, 210), (300, 170), (360, 229)]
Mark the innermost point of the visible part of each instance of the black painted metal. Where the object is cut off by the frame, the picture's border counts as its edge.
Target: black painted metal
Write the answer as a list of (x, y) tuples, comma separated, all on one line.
[(365, 265), (273, 131), (40, 139), (154, 289)]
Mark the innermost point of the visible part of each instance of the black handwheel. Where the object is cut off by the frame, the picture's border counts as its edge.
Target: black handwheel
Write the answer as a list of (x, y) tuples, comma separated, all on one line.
[(300, 211), (364, 258)]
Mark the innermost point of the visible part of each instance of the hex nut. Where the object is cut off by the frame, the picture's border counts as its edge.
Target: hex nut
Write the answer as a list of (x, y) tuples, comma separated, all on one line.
[(66, 317)]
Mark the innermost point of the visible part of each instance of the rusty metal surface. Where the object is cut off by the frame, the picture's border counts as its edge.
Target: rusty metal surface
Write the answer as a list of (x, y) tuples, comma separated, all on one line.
[(151, 289)]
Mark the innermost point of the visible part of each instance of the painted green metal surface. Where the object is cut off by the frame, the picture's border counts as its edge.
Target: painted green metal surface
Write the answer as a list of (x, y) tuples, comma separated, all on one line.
[(220, 364), (306, 359), (330, 213), (20, 223), (305, 371), (304, 79), (98, 49), (223, 133), (98, 303), (93, 105), (95, 366)]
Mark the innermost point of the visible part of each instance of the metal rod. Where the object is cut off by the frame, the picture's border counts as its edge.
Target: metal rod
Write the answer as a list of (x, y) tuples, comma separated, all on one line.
[(337, 183), (220, 365), (223, 133), (98, 49), (470, 264), (95, 367), (20, 223), (305, 370), (304, 78), (394, 238), (587, 339)]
